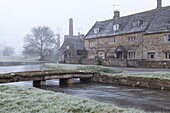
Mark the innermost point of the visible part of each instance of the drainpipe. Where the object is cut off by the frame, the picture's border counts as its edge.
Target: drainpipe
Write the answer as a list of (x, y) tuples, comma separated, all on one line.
[(142, 47)]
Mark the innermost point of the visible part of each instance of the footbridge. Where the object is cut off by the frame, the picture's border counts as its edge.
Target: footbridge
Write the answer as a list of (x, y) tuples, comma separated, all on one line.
[(39, 77)]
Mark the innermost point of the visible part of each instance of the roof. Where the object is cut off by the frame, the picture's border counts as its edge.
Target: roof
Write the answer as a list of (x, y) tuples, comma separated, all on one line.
[(73, 41), (153, 21)]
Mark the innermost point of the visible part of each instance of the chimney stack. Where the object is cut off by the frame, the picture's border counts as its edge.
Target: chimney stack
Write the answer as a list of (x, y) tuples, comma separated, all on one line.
[(159, 4), (71, 27), (116, 15)]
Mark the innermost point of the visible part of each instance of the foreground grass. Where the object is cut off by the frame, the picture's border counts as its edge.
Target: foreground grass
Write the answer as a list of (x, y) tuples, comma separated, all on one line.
[(159, 75), (15, 99), (83, 68)]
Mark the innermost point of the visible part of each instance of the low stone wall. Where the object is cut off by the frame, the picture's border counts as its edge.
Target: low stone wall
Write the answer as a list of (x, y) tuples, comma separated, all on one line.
[(153, 83), (148, 64), (122, 63), (89, 61), (114, 62)]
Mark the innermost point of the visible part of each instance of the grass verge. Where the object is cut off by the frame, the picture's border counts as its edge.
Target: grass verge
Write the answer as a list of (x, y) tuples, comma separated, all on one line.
[(83, 68), (31, 100)]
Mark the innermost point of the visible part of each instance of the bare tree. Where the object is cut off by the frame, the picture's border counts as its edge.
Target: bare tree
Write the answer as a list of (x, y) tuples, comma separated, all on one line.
[(39, 42), (8, 51)]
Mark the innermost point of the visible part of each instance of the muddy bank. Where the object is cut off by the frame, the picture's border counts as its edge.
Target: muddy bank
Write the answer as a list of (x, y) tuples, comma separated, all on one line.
[(144, 82)]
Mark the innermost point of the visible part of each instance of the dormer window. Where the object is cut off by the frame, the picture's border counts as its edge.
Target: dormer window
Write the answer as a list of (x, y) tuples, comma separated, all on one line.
[(96, 30), (137, 23), (116, 27)]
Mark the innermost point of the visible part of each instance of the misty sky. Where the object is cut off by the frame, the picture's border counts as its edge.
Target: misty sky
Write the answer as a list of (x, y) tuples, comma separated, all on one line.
[(17, 17)]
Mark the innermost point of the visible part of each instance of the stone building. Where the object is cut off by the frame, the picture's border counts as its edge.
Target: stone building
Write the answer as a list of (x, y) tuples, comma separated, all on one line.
[(141, 36), (72, 50)]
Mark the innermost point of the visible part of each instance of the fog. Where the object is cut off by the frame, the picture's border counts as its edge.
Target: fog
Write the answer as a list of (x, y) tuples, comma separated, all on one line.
[(17, 17)]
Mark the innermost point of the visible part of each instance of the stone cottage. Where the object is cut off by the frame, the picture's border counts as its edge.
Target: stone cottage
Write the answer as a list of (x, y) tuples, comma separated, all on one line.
[(72, 50), (141, 36)]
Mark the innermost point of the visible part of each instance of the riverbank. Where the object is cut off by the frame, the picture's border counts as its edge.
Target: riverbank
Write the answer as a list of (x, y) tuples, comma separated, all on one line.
[(156, 80), (19, 60), (24, 99)]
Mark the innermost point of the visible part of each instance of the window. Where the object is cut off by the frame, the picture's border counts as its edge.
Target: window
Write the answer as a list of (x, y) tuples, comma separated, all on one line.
[(166, 38), (167, 55), (92, 44), (112, 40), (96, 30), (151, 56), (116, 27), (131, 40), (68, 47), (137, 23), (131, 55)]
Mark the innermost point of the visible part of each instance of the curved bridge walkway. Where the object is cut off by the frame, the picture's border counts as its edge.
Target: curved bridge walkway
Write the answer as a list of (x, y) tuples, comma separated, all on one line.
[(39, 77)]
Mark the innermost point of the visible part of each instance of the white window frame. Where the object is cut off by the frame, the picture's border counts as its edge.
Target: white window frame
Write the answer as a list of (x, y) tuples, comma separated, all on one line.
[(116, 27), (167, 55), (131, 40), (166, 38), (112, 40), (150, 54), (132, 55), (96, 30), (137, 23), (92, 44)]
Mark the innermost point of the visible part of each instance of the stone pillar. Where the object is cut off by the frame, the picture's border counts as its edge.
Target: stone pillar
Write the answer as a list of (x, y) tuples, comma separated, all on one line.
[(38, 83), (65, 82)]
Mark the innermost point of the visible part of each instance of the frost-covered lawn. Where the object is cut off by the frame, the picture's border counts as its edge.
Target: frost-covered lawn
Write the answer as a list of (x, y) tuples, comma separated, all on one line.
[(15, 99), (82, 68), (160, 75), (108, 71)]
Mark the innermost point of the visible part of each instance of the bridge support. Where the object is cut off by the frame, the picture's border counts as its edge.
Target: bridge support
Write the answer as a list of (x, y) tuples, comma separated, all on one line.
[(65, 82), (38, 83)]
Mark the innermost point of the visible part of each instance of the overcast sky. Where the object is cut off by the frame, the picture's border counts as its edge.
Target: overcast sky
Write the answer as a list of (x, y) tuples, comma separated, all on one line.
[(17, 17)]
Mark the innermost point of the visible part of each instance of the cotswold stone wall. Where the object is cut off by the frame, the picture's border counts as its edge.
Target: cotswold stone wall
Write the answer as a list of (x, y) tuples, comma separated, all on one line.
[(122, 63), (154, 83), (148, 64), (115, 62)]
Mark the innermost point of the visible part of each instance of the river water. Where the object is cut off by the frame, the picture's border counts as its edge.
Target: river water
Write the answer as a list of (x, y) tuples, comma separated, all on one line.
[(146, 99)]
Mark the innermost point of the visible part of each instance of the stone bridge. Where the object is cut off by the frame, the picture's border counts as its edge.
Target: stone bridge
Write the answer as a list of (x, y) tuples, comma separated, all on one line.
[(39, 77)]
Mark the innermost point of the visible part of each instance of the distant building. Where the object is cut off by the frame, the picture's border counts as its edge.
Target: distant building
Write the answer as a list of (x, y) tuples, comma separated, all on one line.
[(72, 50), (141, 36)]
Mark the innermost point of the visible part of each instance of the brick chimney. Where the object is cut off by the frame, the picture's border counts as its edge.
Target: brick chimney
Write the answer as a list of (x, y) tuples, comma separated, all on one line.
[(159, 4), (116, 15), (71, 27)]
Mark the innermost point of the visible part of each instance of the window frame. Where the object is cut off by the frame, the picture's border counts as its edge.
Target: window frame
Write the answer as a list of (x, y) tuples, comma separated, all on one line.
[(150, 55), (167, 55), (116, 27), (112, 40), (132, 40), (96, 30)]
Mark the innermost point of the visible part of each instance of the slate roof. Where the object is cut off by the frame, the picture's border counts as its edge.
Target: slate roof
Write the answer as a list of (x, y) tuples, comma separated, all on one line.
[(153, 21), (74, 42)]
